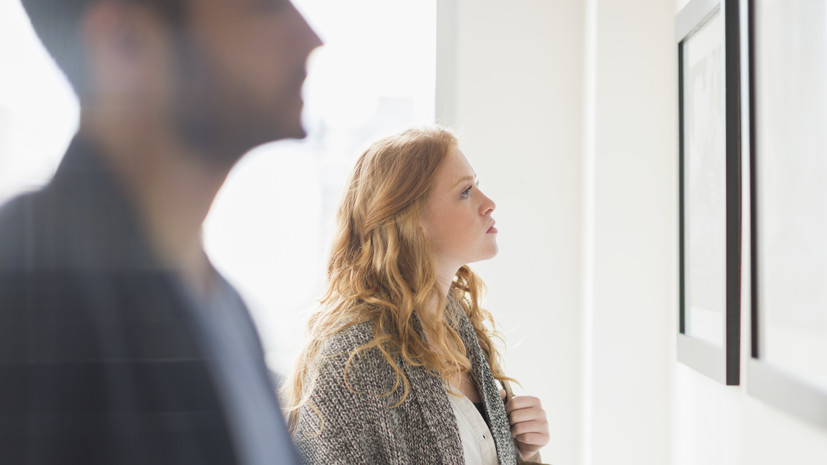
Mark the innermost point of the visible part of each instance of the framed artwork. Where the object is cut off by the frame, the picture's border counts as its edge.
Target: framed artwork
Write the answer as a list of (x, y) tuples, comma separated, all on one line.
[(707, 36), (788, 190)]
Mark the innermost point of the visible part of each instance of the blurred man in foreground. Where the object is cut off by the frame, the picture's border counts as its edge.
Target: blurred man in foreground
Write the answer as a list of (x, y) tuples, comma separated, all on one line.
[(119, 342)]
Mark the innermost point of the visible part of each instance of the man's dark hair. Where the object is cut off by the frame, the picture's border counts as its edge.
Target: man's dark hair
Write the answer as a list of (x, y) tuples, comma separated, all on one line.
[(57, 23)]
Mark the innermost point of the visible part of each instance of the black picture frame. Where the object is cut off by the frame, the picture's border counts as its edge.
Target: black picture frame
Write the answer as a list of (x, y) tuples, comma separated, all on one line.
[(771, 382), (719, 361)]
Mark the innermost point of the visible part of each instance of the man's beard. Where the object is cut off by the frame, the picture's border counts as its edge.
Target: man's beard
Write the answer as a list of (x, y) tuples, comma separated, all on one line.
[(212, 112)]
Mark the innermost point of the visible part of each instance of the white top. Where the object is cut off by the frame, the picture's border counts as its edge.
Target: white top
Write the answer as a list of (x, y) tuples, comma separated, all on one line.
[(477, 444)]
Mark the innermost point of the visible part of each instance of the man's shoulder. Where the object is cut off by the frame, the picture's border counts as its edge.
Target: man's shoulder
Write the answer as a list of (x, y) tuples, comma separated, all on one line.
[(22, 224), (54, 268)]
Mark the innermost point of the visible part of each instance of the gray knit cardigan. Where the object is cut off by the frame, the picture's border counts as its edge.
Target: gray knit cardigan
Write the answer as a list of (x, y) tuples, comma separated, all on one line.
[(345, 427)]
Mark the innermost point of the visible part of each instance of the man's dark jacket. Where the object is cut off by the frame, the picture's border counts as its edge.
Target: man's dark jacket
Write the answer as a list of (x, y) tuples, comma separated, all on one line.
[(101, 361)]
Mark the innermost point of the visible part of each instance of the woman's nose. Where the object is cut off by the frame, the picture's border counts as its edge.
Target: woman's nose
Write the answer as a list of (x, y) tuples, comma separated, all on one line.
[(488, 206)]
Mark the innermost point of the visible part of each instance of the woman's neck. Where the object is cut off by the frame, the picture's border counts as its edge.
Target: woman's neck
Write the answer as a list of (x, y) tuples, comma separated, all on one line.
[(445, 277), (444, 287)]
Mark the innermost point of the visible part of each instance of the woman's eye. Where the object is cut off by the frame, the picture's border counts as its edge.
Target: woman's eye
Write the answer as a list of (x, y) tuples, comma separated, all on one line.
[(467, 191)]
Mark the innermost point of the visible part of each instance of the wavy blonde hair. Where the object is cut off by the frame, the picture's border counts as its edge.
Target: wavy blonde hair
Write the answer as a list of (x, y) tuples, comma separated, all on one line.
[(381, 268)]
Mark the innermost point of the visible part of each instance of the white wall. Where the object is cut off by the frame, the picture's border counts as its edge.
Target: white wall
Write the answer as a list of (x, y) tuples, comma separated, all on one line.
[(510, 81), (716, 424), (630, 279), (557, 101), (567, 109)]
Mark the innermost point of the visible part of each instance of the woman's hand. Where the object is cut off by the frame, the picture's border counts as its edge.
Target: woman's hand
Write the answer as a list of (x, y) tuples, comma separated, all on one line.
[(529, 425)]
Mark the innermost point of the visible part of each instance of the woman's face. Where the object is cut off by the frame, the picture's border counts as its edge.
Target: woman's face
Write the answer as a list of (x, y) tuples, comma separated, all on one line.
[(457, 215)]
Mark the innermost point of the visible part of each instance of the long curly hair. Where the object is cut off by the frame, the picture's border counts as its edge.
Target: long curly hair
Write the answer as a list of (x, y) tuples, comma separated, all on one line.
[(381, 267)]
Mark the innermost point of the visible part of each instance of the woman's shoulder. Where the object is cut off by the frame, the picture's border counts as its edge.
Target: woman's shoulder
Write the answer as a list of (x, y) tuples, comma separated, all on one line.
[(350, 347), (347, 360), (348, 339)]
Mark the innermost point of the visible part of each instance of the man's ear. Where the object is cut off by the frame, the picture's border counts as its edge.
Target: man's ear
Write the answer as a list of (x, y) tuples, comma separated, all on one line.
[(124, 45)]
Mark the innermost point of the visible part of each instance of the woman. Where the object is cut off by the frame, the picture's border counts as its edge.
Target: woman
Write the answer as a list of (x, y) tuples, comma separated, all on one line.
[(400, 353)]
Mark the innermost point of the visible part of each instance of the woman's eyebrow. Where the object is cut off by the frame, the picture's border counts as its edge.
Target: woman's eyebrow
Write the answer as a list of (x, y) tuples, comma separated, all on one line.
[(465, 178)]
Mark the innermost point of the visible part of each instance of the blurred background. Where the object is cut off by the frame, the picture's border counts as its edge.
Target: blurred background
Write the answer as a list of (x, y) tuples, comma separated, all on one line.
[(567, 109)]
